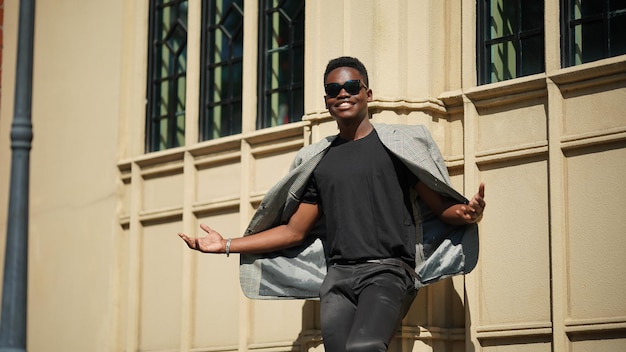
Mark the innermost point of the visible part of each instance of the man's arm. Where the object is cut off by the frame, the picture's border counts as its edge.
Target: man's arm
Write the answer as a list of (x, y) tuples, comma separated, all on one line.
[(449, 210), (279, 237)]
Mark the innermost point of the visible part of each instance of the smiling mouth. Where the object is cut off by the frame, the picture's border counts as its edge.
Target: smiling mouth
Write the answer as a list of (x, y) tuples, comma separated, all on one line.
[(344, 103)]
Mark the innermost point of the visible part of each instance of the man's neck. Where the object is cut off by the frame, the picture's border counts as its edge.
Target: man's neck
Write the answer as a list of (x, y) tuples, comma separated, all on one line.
[(354, 131)]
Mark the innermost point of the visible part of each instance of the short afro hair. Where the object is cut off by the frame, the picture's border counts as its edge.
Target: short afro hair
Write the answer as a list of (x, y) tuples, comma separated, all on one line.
[(347, 61)]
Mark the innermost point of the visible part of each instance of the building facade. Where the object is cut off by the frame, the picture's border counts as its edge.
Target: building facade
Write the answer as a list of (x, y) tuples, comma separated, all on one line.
[(151, 117)]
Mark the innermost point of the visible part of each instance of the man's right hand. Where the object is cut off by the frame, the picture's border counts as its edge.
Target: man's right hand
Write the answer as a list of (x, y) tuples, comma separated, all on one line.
[(213, 242)]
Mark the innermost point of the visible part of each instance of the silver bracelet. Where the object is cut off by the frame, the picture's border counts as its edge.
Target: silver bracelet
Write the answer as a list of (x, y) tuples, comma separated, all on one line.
[(228, 247)]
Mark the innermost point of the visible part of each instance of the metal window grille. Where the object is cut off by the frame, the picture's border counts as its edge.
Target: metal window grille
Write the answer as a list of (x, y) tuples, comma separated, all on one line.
[(167, 65), (592, 30), (222, 68), (281, 62), (510, 39)]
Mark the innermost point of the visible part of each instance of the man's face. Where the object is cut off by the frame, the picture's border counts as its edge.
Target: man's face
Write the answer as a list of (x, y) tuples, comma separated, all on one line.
[(346, 105)]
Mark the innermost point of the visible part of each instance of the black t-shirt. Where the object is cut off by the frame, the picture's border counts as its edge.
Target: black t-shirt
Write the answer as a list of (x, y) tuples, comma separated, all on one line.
[(364, 192)]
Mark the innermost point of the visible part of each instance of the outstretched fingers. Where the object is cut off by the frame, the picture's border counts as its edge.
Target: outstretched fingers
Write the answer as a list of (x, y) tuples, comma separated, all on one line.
[(473, 211), (192, 243), (480, 196), (206, 228), (211, 243)]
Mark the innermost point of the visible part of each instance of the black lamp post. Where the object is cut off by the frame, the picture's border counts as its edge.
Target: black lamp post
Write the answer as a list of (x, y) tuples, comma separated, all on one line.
[(14, 292)]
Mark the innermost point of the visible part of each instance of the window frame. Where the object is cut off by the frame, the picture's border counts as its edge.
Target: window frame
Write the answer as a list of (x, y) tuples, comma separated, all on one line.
[(568, 24), (153, 135), (230, 102), (484, 42), (264, 93)]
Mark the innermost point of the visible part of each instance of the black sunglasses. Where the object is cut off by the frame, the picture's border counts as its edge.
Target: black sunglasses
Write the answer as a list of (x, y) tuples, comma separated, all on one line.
[(352, 86)]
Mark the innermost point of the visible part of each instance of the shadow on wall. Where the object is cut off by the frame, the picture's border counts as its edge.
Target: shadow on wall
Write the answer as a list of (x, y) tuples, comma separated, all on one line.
[(310, 338), (435, 322)]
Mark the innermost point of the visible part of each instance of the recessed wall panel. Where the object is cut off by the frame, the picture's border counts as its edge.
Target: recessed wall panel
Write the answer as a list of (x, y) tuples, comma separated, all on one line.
[(163, 191), (596, 199), (594, 109), (161, 287), (609, 342), (446, 303), (277, 321), (511, 126), (218, 181), (457, 182), (514, 276), (269, 169), (216, 287), (453, 145)]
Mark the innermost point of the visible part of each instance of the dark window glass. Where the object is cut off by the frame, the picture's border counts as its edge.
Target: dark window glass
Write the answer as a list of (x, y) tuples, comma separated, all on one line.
[(510, 39), (167, 66), (593, 30), (531, 15), (532, 62), (222, 68), (281, 62), (617, 35)]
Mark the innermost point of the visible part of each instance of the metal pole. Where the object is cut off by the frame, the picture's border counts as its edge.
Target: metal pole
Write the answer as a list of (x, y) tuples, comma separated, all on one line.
[(14, 292)]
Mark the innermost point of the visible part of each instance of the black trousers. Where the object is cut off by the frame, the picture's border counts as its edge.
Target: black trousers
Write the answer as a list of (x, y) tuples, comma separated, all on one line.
[(362, 305)]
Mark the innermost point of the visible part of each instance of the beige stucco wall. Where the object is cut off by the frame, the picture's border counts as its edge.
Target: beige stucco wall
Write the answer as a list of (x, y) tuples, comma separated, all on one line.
[(108, 273), (74, 251)]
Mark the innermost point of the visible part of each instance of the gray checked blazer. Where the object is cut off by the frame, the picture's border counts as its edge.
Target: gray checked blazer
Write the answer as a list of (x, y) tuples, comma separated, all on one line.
[(442, 250)]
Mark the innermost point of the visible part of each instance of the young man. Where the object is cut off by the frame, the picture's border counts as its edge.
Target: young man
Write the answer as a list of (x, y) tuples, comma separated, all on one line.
[(363, 220)]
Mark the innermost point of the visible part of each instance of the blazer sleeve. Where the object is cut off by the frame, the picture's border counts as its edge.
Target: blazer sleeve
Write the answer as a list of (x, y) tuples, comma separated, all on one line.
[(294, 272)]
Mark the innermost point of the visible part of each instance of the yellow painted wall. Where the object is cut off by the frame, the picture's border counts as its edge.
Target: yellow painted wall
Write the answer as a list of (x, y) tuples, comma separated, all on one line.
[(74, 249)]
